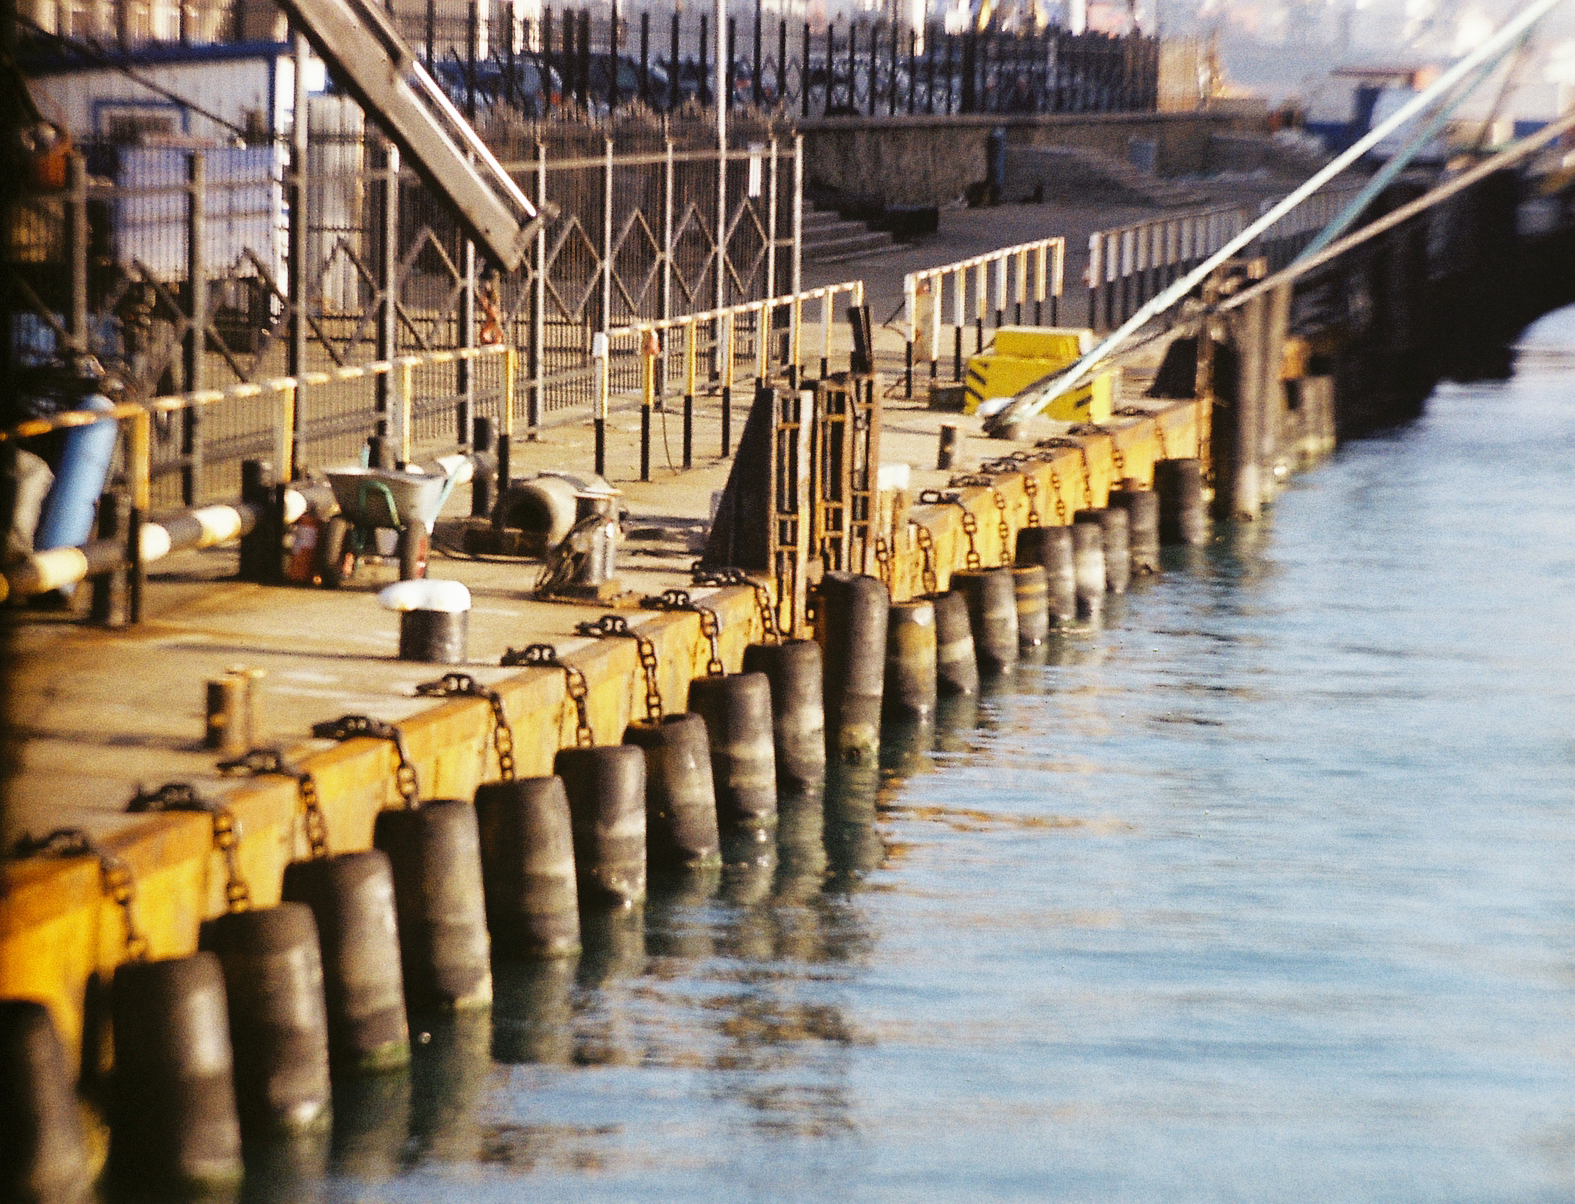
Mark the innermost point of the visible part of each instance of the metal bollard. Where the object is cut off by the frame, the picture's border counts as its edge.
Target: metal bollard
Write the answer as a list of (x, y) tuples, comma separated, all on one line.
[(1030, 584), (852, 624), (352, 898), (737, 715), (434, 637), (956, 665), (173, 1121), (43, 1149), (1052, 548), (798, 709), (273, 983), (435, 853), (680, 795), (992, 614), (951, 446), (527, 868), (1179, 486), (606, 789), (1112, 524), (1088, 561), (1142, 510), (484, 483), (227, 730), (910, 688)]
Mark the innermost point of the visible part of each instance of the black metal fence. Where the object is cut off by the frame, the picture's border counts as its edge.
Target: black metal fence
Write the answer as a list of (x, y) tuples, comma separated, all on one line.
[(599, 61)]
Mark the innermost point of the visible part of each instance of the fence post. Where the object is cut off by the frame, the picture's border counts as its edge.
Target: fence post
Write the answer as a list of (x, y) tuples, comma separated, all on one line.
[(910, 313), (599, 379), (781, 77), (803, 75), (665, 283), (970, 53), (295, 363), (691, 330), (191, 484), (607, 234), (538, 305), (407, 391), (76, 211), (140, 450), (672, 66), (647, 397), (387, 261), (730, 325), (773, 215), (755, 76), (465, 369)]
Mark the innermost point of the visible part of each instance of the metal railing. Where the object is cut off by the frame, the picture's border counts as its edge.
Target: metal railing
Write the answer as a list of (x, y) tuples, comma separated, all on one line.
[(704, 351), (1129, 265), (997, 282)]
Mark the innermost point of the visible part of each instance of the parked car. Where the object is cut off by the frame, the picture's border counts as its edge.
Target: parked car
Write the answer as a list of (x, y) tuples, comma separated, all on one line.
[(598, 92), (532, 89)]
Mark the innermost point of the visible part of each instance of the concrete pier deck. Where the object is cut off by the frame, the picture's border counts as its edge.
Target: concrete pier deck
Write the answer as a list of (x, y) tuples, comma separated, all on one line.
[(103, 713)]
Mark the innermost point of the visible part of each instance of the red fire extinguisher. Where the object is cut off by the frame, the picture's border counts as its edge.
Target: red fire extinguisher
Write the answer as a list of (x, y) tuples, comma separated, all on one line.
[(302, 563)]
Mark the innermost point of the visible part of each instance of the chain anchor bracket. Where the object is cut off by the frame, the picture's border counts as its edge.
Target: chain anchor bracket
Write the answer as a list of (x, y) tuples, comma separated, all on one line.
[(616, 627), (354, 727), (734, 576), (266, 762), (710, 625), (115, 878), (545, 656), (182, 796), (463, 685)]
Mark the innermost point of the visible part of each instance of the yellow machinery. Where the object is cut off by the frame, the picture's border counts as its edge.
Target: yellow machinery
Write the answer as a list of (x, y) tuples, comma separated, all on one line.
[(1020, 355)]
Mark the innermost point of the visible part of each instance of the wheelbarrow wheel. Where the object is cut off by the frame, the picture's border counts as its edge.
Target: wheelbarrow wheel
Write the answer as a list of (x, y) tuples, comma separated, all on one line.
[(338, 556), (413, 552)]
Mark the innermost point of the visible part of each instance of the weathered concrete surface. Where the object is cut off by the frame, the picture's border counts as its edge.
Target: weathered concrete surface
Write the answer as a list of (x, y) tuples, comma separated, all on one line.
[(104, 712), (931, 160)]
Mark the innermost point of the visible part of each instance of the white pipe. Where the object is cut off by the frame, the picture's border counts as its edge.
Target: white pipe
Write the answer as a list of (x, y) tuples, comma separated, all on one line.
[(1041, 393)]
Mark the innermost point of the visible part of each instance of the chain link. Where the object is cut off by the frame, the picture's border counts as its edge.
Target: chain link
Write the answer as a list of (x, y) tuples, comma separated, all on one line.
[(731, 576), (710, 625), (351, 727), (463, 685), (545, 656), (612, 626), (259, 762), (114, 875), (926, 540), (970, 525), (1031, 492), (983, 480), (883, 561), (183, 796)]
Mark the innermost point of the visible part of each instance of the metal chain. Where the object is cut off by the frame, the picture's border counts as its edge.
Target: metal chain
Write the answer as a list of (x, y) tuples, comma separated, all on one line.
[(259, 762), (183, 796), (732, 576), (1031, 491), (970, 525), (984, 480), (115, 878), (617, 626), (710, 625), (927, 547), (463, 685), (1062, 441), (545, 656), (352, 727), (883, 560)]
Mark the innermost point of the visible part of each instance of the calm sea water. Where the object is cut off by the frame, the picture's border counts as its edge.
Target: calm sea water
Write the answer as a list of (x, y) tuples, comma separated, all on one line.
[(1266, 891)]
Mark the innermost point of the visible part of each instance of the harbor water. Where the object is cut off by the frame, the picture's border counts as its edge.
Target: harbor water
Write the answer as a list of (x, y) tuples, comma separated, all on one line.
[(1263, 891)]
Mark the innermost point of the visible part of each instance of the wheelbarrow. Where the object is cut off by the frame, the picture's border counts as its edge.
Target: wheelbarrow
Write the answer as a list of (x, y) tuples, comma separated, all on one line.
[(373, 499)]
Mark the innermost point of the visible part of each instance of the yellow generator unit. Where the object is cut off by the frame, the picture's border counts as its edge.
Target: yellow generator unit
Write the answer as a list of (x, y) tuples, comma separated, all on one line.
[(1020, 355)]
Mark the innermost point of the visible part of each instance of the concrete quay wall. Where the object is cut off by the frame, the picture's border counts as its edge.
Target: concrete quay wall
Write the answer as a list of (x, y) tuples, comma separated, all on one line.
[(931, 160), (59, 932)]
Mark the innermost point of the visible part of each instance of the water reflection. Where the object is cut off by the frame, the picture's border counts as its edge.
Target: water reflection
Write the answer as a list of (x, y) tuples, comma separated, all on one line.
[(285, 1170), (449, 1068), (532, 1020), (371, 1125), (853, 846)]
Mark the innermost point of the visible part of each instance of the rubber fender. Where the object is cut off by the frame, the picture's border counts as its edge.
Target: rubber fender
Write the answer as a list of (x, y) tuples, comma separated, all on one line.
[(543, 506)]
